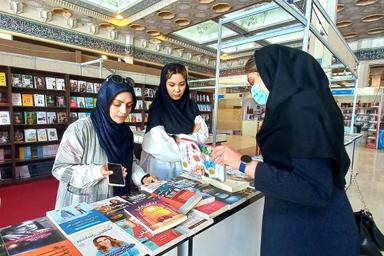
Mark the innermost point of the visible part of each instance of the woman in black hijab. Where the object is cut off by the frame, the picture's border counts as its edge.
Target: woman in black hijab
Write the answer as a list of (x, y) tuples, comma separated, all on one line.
[(306, 210), (172, 113), (90, 143)]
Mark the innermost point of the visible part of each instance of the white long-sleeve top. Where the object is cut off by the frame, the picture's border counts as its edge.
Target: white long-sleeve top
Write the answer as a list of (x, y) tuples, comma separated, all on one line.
[(160, 155), (78, 162)]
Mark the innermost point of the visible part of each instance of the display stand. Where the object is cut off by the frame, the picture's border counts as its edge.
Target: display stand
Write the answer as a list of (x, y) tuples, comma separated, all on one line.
[(350, 145), (332, 40)]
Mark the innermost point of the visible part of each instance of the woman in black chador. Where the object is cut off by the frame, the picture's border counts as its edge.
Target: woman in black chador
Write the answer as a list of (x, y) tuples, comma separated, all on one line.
[(306, 212)]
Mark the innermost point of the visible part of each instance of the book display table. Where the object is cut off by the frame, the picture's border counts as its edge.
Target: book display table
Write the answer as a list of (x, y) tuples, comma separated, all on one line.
[(234, 231)]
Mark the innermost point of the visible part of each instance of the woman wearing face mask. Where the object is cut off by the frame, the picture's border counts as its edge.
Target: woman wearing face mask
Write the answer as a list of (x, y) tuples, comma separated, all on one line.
[(306, 210), (172, 113), (90, 143), (258, 91)]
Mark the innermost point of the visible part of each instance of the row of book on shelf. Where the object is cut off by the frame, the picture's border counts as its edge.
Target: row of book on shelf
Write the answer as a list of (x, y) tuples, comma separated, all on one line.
[(141, 104), (202, 97), (38, 82), (38, 100), (84, 86), (148, 92), (39, 117), (36, 135), (147, 222), (139, 224), (204, 107), (38, 151), (82, 102)]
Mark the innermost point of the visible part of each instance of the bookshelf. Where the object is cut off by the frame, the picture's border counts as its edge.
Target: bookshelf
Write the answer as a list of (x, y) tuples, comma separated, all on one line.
[(204, 102), (368, 116), (38, 107)]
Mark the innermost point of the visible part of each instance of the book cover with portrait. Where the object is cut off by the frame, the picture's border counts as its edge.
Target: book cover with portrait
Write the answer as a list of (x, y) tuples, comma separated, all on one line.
[(109, 240)]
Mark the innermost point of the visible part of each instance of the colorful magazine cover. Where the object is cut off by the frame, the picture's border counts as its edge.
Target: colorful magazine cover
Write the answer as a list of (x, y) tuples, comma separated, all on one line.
[(30, 235), (107, 240), (195, 159), (75, 218), (155, 215), (112, 208)]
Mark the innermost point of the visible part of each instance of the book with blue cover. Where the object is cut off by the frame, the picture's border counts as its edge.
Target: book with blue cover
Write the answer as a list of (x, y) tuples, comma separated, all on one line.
[(76, 218)]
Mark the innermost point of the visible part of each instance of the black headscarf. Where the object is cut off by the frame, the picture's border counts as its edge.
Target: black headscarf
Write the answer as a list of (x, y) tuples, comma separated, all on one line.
[(177, 116), (302, 118), (115, 139)]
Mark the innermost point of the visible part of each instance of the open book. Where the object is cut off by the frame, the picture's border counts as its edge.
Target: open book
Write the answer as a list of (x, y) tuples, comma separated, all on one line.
[(196, 160)]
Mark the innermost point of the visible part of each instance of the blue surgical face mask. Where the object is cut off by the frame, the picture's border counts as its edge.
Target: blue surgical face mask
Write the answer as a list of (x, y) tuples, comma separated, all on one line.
[(258, 95)]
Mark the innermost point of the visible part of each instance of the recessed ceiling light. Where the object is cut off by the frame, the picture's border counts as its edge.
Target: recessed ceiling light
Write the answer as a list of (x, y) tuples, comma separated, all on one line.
[(166, 15), (62, 12), (340, 7), (183, 22), (364, 2), (372, 17), (206, 1), (374, 31), (119, 17), (106, 25), (350, 35), (137, 27), (153, 32), (343, 23), (221, 7)]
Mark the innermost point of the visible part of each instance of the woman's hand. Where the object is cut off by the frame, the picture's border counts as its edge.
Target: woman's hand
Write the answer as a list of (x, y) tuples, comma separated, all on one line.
[(106, 172), (196, 128), (226, 156), (150, 179)]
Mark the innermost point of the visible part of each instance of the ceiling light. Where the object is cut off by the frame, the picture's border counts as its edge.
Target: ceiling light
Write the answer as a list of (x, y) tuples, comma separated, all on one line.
[(364, 2), (137, 27), (153, 32), (375, 31), (106, 25), (104, 57), (183, 22), (119, 17), (340, 7), (343, 23), (221, 7), (62, 12), (372, 17), (166, 15), (350, 35)]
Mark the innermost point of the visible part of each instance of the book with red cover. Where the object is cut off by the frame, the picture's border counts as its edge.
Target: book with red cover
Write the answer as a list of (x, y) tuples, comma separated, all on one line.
[(155, 215), (182, 199), (213, 209)]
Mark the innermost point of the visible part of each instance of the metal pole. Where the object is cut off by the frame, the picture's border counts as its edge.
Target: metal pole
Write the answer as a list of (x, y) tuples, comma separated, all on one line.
[(101, 68), (308, 15), (216, 98), (355, 99)]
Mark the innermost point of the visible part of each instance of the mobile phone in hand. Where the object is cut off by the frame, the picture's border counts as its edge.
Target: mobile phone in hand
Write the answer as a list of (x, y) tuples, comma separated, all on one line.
[(117, 178)]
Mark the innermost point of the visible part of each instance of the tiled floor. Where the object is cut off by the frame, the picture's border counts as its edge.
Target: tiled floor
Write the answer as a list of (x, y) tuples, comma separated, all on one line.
[(369, 163), (370, 166)]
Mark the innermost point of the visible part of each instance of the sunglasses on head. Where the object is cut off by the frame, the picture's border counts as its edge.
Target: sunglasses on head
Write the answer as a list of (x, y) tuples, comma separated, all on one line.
[(120, 80)]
